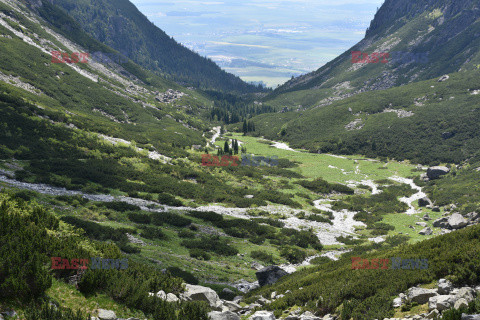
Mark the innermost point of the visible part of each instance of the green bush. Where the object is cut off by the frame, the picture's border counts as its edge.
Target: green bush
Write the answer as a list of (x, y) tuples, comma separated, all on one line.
[(262, 256), (199, 254)]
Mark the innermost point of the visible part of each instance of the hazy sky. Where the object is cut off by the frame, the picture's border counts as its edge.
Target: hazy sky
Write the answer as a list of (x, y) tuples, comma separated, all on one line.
[(264, 40)]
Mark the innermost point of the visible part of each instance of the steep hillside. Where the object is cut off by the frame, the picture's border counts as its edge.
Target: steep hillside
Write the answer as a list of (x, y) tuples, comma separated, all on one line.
[(423, 41), (120, 25)]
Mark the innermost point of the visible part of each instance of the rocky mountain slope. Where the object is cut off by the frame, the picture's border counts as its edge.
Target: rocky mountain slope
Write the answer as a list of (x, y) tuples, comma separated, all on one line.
[(423, 40), (121, 26)]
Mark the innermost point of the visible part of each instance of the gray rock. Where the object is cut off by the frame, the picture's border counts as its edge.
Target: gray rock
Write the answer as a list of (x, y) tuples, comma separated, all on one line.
[(199, 293), (470, 317), (444, 286), (444, 78), (328, 317), (309, 316), (422, 224), (444, 302), (460, 303), (237, 299), (436, 209), (466, 293), (441, 222), (106, 314), (433, 314), (231, 306), (270, 275), (426, 231), (437, 172), (262, 315), (420, 295), (227, 315), (172, 298), (161, 294), (457, 221), (397, 302), (426, 217), (292, 317)]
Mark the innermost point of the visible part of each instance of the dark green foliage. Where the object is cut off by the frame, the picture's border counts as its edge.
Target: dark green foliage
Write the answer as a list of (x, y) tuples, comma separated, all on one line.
[(22, 254), (207, 215), (367, 294), (97, 231), (212, 244), (349, 240), (199, 254), (321, 186), (186, 234), (270, 221), (320, 260), (153, 233), (51, 312), (159, 218), (139, 217), (319, 218), (185, 275), (293, 255), (121, 206), (262, 256)]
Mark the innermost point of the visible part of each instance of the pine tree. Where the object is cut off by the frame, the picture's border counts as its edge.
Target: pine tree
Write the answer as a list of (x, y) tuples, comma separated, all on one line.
[(226, 147), (245, 127)]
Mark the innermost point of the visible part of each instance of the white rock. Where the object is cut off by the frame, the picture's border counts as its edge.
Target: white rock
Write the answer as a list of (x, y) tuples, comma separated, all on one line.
[(106, 314), (171, 297), (262, 315)]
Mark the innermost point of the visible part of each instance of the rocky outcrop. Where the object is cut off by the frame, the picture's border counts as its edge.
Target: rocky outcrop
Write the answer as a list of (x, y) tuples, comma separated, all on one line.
[(420, 295), (457, 221), (106, 314), (270, 275), (426, 231), (436, 172), (199, 293), (262, 315), (227, 315)]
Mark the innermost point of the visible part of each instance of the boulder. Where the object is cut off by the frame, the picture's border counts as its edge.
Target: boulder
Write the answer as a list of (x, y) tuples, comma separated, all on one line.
[(460, 303), (470, 317), (444, 78), (433, 314), (426, 231), (161, 294), (444, 286), (444, 302), (436, 209), (227, 315), (397, 302), (262, 315), (420, 295), (457, 221), (106, 314), (231, 306), (270, 275), (421, 224), (199, 293), (423, 202), (466, 293), (172, 298), (292, 317), (309, 316), (441, 222), (437, 172)]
